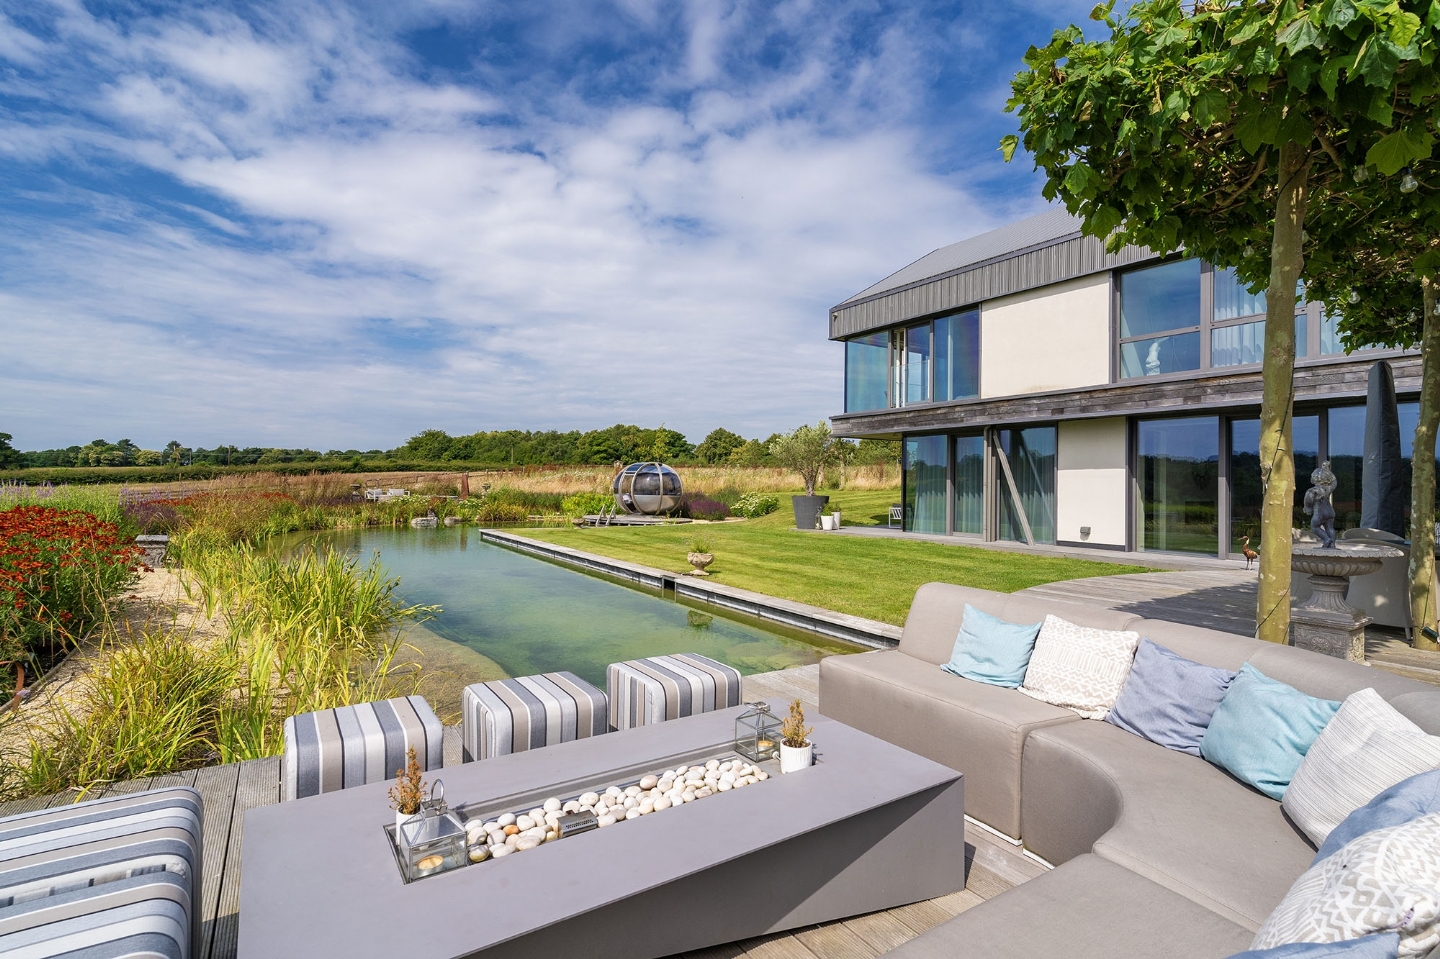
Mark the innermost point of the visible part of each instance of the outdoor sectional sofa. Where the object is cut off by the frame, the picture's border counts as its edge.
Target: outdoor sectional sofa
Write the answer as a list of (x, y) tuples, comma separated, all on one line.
[(1159, 853)]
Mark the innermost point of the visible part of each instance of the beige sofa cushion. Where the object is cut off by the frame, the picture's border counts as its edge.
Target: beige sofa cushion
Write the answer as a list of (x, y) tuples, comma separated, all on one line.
[(1086, 909), (977, 729), (1079, 667), (1174, 819)]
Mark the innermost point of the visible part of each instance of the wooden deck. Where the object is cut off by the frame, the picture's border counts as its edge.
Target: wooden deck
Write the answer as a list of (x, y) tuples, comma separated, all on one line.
[(993, 865), (1223, 600)]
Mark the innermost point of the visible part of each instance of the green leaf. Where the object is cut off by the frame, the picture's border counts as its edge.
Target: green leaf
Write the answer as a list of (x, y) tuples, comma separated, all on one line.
[(1008, 143), (1210, 105), (1299, 34), (1380, 109), (1176, 103), (1396, 150), (1428, 263), (1330, 76), (1403, 27), (1432, 15), (1339, 14), (1078, 179), (1104, 220), (1378, 61), (1255, 128)]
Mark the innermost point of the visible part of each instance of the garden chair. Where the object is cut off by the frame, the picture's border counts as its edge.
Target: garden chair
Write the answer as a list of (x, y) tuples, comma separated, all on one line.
[(643, 692), (512, 715), (333, 749)]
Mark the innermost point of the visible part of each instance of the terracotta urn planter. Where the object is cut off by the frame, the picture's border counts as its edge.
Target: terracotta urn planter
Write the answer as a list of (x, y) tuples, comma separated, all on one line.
[(700, 561)]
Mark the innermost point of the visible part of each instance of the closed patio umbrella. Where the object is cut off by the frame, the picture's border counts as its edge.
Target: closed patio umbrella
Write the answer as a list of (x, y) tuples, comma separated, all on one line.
[(1382, 493)]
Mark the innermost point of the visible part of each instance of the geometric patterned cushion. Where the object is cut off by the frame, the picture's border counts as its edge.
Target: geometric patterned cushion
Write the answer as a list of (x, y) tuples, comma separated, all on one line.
[(333, 749), (1368, 747), (647, 691), (140, 917), (1384, 881), (1382, 945), (1078, 667), (512, 715), (125, 849)]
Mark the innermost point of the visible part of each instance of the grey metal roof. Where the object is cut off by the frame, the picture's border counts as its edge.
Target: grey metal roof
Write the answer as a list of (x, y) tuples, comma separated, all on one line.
[(1054, 224), (1032, 253)]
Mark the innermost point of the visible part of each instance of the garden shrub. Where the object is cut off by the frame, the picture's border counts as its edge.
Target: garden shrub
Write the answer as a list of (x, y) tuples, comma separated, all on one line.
[(702, 507), (586, 504), (59, 570), (752, 505)]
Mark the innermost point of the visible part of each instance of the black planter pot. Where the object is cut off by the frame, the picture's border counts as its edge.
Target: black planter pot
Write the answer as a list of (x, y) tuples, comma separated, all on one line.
[(807, 510)]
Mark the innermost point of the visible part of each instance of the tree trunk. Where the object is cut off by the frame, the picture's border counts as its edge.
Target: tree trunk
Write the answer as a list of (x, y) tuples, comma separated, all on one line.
[(1277, 459), (1422, 481)]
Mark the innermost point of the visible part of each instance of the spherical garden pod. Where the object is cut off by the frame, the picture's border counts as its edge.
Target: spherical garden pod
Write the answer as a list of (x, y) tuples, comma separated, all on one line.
[(648, 489)]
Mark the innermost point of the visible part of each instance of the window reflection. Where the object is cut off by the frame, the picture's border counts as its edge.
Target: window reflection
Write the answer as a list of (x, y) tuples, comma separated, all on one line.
[(1159, 298), (1031, 455), (1179, 490), (867, 361), (969, 484), (925, 484), (1162, 354)]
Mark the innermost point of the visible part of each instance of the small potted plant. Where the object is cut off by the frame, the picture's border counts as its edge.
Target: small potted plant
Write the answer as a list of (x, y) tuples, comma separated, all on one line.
[(796, 749), (408, 792), (700, 556)]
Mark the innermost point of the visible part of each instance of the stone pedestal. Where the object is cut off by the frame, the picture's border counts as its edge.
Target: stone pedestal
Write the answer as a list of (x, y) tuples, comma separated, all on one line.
[(1325, 623)]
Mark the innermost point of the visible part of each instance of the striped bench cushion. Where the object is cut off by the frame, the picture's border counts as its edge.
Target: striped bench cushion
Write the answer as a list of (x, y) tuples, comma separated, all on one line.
[(646, 691), (513, 715), (140, 917), (348, 746), (52, 860)]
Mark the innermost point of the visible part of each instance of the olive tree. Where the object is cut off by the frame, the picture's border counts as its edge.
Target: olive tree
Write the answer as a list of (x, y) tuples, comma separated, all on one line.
[(807, 450), (1214, 129)]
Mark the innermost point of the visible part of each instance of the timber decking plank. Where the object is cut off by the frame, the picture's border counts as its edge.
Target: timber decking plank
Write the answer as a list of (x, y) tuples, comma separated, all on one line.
[(257, 785), (881, 930), (216, 785), (835, 940), (780, 946)]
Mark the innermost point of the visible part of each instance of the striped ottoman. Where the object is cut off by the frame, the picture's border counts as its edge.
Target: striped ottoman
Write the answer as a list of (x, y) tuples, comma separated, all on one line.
[(121, 874), (513, 715), (647, 691), (353, 745)]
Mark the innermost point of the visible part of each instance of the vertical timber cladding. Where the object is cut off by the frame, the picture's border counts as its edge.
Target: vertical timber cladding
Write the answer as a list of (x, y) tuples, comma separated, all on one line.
[(1091, 481), (1052, 338)]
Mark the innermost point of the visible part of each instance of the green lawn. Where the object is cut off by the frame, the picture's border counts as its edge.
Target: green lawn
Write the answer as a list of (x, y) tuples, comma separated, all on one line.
[(874, 578)]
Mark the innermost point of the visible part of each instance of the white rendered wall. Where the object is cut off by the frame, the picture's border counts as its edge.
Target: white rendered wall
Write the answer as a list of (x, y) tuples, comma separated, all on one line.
[(1053, 338), (1090, 481)]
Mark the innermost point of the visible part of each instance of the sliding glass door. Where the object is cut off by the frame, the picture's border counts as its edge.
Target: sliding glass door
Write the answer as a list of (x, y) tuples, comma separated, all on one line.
[(925, 458), (970, 484), (1029, 455), (1179, 484)]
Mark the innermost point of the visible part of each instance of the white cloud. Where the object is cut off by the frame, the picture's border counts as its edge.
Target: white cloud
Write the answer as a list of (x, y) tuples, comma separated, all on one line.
[(358, 253)]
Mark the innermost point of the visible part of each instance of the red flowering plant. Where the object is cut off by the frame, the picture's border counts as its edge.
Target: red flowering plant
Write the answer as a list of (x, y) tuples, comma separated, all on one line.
[(58, 570)]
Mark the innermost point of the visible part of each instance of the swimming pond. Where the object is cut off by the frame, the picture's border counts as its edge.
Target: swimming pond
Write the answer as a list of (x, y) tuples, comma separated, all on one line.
[(516, 615)]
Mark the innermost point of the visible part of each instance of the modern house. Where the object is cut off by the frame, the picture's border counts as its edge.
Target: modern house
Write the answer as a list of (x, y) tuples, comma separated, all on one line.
[(1049, 392)]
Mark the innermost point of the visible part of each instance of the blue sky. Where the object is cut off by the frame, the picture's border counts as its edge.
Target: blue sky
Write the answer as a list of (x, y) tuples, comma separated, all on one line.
[(335, 224)]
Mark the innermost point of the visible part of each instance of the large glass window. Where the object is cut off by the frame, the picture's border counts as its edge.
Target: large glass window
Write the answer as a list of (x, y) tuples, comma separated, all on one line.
[(1161, 354), (1232, 300), (957, 356), (1245, 342), (1030, 454), (969, 484), (867, 362), (1347, 459), (917, 364), (925, 484), (1246, 494), (1160, 298), (1179, 489)]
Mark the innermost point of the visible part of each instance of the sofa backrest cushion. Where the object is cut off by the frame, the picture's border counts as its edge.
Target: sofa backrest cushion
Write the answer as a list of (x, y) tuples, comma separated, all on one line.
[(1422, 708), (990, 650), (939, 608), (1169, 699), (1327, 677), (1209, 647)]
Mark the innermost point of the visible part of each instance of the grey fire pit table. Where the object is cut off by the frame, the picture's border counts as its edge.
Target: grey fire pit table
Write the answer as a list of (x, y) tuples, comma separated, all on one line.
[(870, 826)]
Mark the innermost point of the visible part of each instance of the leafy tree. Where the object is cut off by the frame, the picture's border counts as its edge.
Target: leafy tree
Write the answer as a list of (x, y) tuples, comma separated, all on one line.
[(148, 458), (1205, 130), (717, 446), (751, 453), (9, 456), (1383, 287), (807, 450)]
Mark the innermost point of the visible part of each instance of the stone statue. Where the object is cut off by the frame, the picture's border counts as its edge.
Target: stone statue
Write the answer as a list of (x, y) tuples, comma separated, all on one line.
[(1317, 504)]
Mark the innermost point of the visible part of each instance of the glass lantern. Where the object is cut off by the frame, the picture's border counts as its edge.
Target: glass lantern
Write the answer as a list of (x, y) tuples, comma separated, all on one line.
[(757, 733), (433, 840)]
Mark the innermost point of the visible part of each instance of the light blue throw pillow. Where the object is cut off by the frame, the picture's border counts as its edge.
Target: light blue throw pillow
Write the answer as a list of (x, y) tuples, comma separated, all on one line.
[(1263, 729), (1169, 699), (990, 650), (1383, 945), (1406, 800)]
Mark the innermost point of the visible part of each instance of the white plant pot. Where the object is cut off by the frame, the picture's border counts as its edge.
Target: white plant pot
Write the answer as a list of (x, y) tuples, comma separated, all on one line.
[(827, 521), (795, 758), (836, 514), (401, 818)]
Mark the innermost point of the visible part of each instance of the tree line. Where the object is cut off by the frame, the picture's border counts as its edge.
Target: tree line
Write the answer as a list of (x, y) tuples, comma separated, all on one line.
[(618, 443)]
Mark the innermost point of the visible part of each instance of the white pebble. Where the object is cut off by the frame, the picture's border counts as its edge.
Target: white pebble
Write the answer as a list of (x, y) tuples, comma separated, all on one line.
[(551, 819), (479, 853), (632, 790), (589, 799), (500, 851), (633, 814), (701, 794), (529, 842), (631, 802), (551, 836), (491, 825), (646, 808), (725, 785), (537, 814), (614, 791), (762, 775), (662, 803), (524, 822), (713, 764), (649, 782), (506, 820), (688, 795), (573, 806), (512, 840), (604, 821), (552, 804)]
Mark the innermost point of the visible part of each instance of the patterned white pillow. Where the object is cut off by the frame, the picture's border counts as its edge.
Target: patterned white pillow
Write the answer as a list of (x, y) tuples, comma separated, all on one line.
[(1367, 748), (1079, 667), (1384, 881)]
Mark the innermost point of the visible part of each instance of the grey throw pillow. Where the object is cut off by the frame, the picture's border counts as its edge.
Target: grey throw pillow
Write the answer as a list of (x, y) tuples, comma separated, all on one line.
[(1169, 699)]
